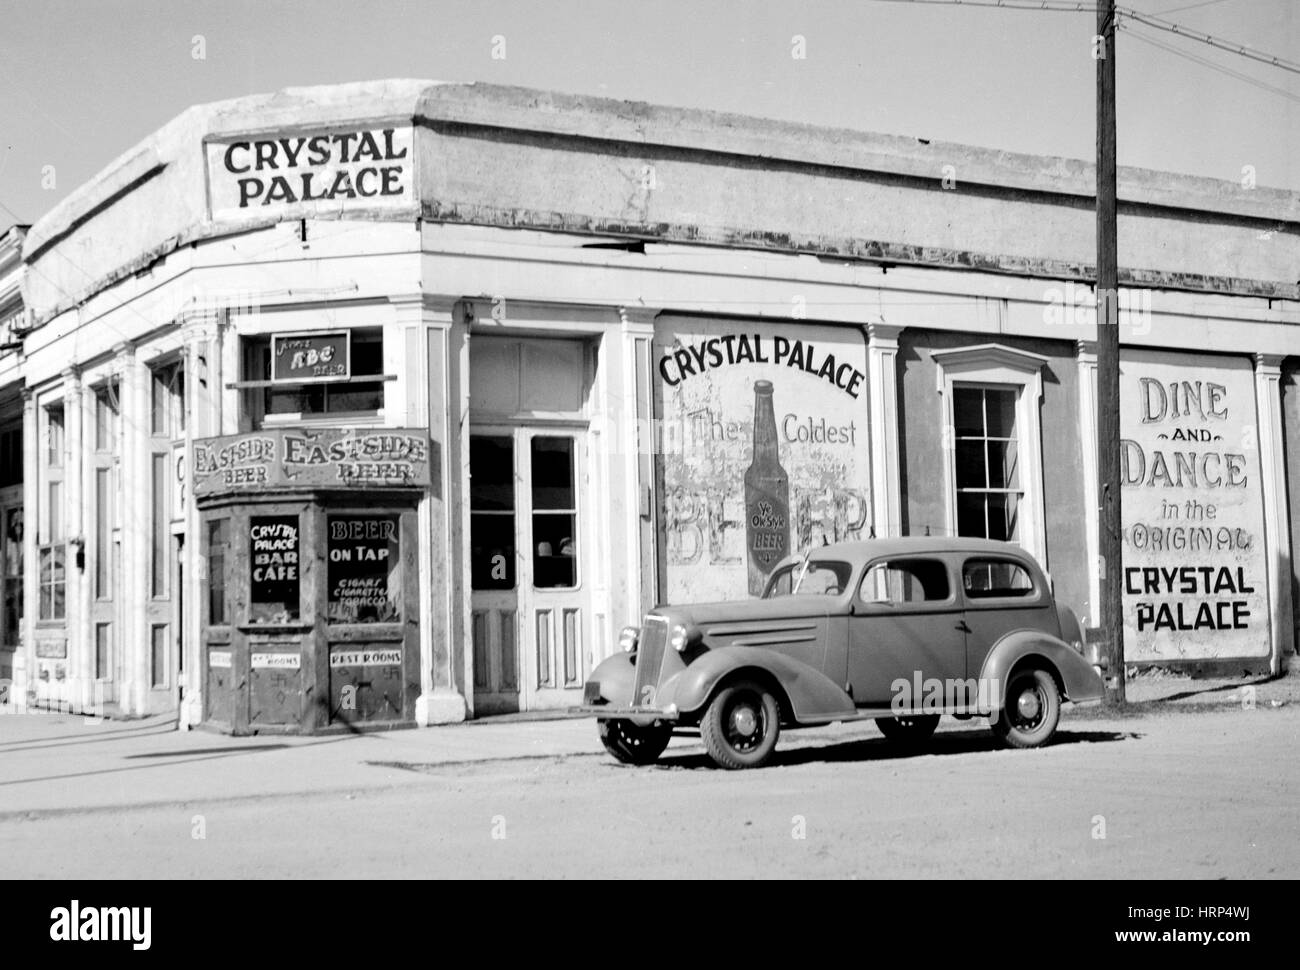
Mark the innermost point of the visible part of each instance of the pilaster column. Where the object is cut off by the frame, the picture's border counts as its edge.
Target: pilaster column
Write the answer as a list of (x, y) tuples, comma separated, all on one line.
[(1085, 355), (202, 404), (1277, 520), (133, 633), (25, 656), (436, 367), (640, 438), (80, 631), (882, 384)]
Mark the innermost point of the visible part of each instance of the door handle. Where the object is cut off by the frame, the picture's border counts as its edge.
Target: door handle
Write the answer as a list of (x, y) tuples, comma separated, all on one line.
[(963, 627)]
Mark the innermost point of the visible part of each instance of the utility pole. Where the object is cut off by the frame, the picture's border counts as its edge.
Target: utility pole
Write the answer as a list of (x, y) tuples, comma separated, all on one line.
[(1110, 522)]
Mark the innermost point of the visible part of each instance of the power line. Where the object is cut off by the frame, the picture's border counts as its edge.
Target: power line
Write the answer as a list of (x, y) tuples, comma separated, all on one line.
[(1150, 20), (1218, 43), (1205, 62)]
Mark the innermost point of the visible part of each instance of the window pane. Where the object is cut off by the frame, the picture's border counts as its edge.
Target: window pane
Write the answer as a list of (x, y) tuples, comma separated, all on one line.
[(970, 515), (367, 356), (824, 578), (355, 397), (492, 551), (554, 551), (905, 581), (991, 577), (552, 467), (160, 392), (1003, 470), (1003, 523), (968, 410), (364, 580), (274, 555), (54, 427), (970, 464), (56, 511), (492, 474), (1001, 410)]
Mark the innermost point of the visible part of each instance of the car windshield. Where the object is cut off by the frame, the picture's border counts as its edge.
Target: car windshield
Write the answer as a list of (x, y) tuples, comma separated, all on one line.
[(822, 577)]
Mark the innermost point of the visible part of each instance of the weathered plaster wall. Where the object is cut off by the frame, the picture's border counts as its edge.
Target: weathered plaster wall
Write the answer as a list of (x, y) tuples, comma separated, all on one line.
[(921, 447)]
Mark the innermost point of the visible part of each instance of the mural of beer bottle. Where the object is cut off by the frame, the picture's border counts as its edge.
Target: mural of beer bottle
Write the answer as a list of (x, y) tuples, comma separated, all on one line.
[(767, 495)]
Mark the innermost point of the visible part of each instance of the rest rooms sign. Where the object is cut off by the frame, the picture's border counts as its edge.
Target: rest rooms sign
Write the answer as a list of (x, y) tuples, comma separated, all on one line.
[(1194, 560), (328, 171)]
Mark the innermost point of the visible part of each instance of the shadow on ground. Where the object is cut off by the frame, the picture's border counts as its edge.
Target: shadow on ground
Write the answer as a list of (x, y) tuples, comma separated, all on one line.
[(879, 749)]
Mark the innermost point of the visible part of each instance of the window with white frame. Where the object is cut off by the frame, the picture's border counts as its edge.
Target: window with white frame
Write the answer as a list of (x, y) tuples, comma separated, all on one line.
[(993, 483), (52, 575), (986, 469)]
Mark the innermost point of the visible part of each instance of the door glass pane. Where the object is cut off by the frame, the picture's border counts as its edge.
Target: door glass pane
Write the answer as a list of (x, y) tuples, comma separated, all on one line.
[(492, 515), (555, 540), (553, 473)]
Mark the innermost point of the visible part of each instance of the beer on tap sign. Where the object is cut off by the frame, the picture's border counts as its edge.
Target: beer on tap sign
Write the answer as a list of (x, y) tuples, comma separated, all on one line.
[(764, 446), (1195, 579)]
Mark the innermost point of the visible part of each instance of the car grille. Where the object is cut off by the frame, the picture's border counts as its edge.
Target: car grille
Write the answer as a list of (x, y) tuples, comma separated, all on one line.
[(649, 660)]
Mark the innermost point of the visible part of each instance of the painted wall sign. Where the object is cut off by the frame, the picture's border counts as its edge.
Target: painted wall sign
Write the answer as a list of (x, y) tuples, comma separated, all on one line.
[(366, 658), (338, 457), (1194, 560), (320, 171), (765, 448), (279, 661), (311, 358), (218, 658), (274, 563), (363, 575)]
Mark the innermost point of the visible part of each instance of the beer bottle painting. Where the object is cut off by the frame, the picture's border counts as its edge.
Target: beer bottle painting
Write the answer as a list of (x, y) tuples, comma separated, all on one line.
[(767, 495)]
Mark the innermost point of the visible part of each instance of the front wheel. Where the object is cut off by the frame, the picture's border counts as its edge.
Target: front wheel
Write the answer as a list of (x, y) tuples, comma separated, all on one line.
[(1030, 710), (741, 726), (634, 744), (908, 730)]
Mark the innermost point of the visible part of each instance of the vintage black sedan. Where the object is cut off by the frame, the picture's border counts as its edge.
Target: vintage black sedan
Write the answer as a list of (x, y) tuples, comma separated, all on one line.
[(899, 630)]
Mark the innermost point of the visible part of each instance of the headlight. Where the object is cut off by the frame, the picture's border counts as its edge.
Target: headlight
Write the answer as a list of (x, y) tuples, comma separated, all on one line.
[(678, 640), (627, 639)]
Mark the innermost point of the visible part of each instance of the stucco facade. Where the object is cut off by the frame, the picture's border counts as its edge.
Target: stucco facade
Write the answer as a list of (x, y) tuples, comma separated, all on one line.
[(589, 293)]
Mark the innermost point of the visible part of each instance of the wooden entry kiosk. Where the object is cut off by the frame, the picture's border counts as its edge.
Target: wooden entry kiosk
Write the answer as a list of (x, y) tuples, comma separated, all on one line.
[(311, 613)]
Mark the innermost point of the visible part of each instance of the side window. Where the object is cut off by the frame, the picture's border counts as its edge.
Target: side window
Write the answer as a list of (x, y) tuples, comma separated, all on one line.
[(823, 579), (990, 578), (905, 581)]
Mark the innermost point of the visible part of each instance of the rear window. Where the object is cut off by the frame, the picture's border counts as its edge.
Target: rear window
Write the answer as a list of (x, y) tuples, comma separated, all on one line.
[(996, 579)]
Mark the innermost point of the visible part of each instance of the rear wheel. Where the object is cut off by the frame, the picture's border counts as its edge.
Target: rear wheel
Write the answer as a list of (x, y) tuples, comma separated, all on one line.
[(908, 730), (1030, 710), (741, 725), (634, 744)]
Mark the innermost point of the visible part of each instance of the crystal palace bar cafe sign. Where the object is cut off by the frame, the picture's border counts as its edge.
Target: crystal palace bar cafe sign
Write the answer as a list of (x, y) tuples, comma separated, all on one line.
[(372, 458)]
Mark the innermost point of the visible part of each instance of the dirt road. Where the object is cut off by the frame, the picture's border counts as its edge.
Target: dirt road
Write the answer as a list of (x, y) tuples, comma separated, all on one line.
[(1204, 794)]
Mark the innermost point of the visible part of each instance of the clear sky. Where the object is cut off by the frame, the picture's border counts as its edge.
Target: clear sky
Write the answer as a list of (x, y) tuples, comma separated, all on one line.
[(81, 81)]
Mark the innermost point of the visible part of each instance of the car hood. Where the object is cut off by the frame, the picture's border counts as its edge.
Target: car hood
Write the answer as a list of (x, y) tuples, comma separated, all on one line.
[(753, 610)]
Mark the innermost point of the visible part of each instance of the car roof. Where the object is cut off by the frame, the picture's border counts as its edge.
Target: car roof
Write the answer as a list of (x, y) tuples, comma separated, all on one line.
[(914, 545)]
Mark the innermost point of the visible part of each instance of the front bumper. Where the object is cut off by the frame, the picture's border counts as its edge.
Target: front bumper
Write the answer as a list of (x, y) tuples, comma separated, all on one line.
[(639, 715)]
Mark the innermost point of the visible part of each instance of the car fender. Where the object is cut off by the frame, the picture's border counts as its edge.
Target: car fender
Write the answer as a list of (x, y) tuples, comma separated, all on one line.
[(811, 694), (616, 675), (1075, 675)]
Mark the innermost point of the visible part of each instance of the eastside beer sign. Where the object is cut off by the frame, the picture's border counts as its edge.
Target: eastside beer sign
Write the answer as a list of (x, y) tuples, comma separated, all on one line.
[(326, 171)]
